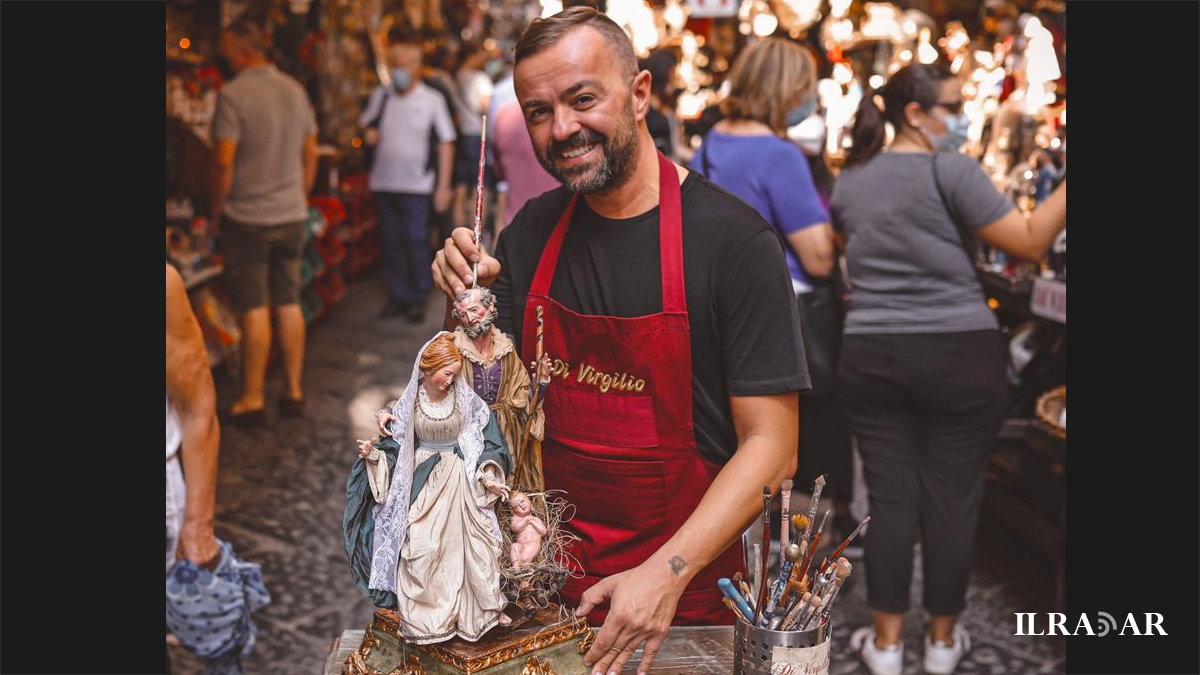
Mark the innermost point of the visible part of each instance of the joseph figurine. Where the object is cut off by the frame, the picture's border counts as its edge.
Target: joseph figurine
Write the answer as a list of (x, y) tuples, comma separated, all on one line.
[(496, 373)]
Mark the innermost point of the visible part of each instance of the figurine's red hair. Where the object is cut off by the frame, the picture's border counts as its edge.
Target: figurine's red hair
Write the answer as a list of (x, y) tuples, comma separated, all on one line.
[(440, 353)]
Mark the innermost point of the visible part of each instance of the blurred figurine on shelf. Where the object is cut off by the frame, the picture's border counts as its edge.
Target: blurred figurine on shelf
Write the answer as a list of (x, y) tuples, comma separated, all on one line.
[(527, 530), (496, 373), (420, 527)]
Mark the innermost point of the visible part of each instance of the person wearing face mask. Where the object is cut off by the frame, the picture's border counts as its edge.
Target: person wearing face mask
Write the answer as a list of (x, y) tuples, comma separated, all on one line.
[(921, 373), (772, 88), (407, 183)]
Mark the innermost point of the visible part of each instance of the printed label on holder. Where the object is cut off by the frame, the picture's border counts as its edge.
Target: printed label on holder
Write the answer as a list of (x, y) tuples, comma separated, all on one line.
[(801, 660)]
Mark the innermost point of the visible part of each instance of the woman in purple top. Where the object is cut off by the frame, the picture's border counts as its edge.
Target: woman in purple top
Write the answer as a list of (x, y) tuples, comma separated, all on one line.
[(773, 88)]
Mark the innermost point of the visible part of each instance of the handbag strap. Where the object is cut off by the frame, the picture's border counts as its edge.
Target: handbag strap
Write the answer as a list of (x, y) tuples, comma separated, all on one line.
[(964, 237), (387, 95)]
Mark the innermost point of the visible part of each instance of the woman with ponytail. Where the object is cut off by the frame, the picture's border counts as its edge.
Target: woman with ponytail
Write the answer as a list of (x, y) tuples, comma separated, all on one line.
[(920, 374)]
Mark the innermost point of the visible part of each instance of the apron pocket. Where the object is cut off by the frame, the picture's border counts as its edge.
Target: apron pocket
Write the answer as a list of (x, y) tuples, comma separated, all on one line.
[(624, 421), (624, 523)]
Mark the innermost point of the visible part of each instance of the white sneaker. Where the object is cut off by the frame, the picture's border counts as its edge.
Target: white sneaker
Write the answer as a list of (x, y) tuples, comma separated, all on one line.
[(941, 658), (886, 661)]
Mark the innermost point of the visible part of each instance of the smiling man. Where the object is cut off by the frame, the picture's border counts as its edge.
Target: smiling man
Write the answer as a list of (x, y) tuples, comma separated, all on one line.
[(648, 274)]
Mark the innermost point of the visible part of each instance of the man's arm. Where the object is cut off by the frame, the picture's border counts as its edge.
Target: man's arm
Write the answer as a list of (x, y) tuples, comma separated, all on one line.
[(310, 163), (221, 180), (642, 600), (190, 386)]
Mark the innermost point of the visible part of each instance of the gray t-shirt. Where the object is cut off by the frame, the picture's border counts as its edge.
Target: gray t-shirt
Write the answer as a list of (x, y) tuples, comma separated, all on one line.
[(268, 114), (908, 270)]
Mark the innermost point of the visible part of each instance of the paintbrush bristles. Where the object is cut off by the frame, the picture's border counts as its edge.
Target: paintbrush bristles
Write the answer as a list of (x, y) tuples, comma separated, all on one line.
[(843, 568)]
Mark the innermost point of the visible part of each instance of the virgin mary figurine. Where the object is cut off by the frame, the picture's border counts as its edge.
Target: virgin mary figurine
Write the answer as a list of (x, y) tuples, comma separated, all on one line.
[(430, 531)]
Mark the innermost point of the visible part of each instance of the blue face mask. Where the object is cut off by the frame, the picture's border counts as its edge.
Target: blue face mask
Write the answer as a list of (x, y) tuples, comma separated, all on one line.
[(802, 112), (955, 136), (401, 79)]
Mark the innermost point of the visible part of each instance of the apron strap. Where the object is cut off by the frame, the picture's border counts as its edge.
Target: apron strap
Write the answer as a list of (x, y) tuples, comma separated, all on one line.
[(670, 234)]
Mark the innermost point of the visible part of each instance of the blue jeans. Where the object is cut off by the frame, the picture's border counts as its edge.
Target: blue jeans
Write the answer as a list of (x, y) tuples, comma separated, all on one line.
[(404, 225)]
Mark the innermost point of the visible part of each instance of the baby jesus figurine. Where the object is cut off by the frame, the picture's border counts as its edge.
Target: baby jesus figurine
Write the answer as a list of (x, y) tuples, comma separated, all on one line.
[(527, 530)]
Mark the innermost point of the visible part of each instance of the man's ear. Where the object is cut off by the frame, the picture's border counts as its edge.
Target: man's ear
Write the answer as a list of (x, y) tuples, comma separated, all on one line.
[(641, 94)]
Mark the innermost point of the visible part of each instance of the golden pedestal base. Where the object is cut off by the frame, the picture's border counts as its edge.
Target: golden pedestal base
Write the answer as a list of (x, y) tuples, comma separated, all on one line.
[(542, 645)]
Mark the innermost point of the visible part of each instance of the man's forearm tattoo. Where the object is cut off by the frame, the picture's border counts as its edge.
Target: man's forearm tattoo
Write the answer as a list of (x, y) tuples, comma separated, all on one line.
[(677, 564)]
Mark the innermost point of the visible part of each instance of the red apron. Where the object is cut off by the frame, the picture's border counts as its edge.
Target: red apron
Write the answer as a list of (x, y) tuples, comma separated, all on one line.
[(619, 435)]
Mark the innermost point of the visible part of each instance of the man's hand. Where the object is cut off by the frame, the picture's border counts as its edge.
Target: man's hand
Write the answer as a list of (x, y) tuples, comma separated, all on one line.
[(641, 605), (441, 198), (365, 448), (371, 136), (198, 544), (452, 266)]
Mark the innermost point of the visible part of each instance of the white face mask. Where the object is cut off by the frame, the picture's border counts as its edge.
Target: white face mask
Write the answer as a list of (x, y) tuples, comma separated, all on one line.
[(955, 136), (809, 135)]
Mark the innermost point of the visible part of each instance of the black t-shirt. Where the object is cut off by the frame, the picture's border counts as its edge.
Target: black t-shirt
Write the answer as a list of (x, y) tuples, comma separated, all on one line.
[(745, 332)]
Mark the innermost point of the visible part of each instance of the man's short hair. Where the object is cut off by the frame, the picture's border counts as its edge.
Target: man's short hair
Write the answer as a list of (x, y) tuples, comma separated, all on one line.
[(251, 33), (543, 33)]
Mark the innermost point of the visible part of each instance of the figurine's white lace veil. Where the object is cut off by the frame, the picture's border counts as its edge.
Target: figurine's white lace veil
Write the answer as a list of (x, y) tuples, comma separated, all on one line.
[(391, 517)]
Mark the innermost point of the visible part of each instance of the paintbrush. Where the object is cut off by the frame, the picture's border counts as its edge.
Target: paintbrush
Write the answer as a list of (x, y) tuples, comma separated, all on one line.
[(766, 554), (791, 555), (802, 610), (794, 583), (785, 500), (812, 505), (812, 547), (479, 202), (734, 598), (794, 611), (746, 593), (820, 589), (754, 580), (838, 551), (843, 571)]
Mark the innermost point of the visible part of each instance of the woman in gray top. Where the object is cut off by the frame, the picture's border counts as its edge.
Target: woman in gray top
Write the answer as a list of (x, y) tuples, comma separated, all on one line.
[(920, 372)]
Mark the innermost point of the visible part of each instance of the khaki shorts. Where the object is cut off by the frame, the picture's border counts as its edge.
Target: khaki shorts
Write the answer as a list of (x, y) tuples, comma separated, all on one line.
[(262, 262)]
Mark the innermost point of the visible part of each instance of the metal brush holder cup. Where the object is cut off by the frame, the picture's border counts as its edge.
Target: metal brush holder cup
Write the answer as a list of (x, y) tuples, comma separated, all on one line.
[(754, 649)]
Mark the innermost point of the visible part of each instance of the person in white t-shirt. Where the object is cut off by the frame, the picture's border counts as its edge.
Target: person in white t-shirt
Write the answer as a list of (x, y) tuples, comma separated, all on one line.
[(403, 118)]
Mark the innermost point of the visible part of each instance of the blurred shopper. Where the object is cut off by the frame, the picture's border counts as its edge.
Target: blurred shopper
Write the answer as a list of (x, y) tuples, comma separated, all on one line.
[(441, 220), (407, 182), (264, 164), (516, 163), (474, 92), (921, 371), (660, 118), (193, 434), (772, 88)]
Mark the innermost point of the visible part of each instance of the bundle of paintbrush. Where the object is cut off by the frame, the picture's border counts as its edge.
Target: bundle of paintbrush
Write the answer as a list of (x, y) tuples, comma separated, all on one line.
[(791, 600)]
